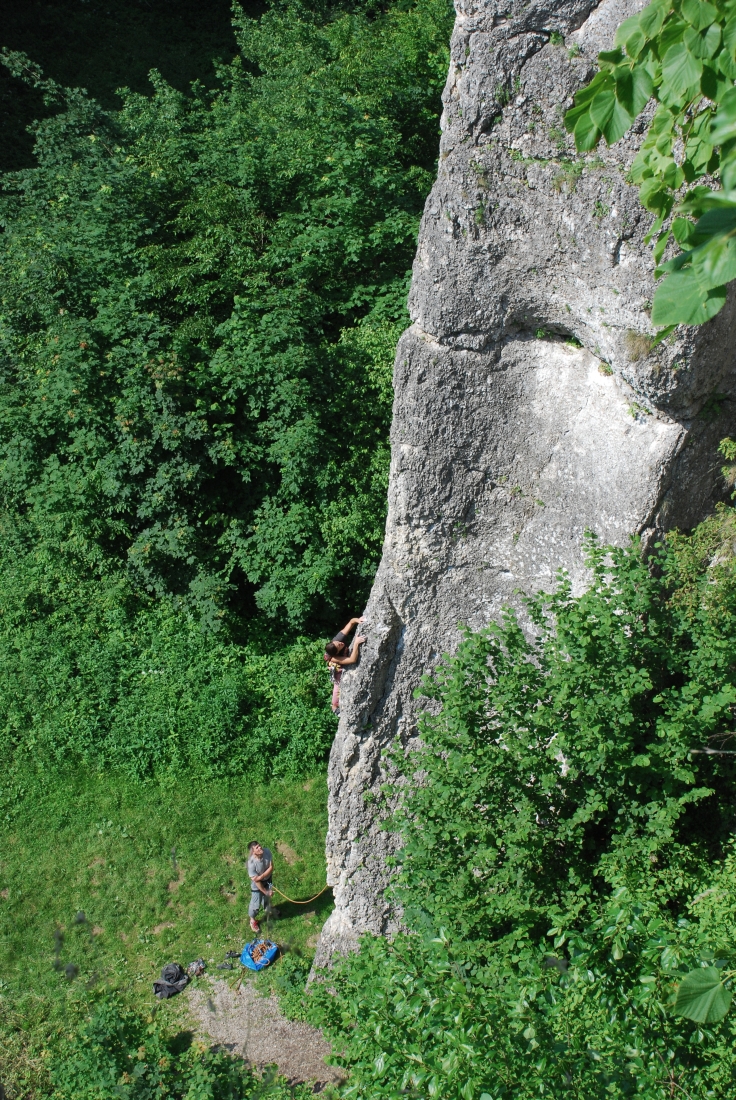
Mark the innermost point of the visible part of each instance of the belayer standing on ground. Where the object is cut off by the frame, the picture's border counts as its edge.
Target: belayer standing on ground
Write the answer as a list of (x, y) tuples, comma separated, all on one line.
[(338, 657), (260, 870)]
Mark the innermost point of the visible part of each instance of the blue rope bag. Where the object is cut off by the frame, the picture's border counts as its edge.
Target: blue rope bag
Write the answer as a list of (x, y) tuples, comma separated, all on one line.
[(257, 955)]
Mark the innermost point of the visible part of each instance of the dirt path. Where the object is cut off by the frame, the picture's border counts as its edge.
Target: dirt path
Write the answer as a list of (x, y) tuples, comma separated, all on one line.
[(252, 1026)]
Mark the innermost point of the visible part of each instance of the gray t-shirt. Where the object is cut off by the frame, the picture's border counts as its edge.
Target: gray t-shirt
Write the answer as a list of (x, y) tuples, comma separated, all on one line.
[(258, 866)]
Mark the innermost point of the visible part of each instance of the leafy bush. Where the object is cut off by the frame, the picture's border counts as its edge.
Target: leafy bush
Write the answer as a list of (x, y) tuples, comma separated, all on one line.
[(120, 1054), (683, 54), (92, 672), (567, 849), (201, 299), (201, 296)]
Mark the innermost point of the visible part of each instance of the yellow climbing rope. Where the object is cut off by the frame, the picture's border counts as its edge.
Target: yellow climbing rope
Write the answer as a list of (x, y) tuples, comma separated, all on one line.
[(319, 895)]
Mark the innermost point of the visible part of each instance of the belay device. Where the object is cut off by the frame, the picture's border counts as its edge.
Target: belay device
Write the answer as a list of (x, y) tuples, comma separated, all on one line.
[(257, 955)]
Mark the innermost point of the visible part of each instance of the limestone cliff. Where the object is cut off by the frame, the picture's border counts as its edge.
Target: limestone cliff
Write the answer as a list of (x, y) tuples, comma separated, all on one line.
[(528, 404)]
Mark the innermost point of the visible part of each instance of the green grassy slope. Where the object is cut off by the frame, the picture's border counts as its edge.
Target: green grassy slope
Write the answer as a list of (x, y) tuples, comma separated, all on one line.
[(158, 874)]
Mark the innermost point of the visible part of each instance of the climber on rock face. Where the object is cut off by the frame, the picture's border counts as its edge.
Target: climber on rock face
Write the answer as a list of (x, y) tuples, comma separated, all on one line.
[(338, 657), (260, 870)]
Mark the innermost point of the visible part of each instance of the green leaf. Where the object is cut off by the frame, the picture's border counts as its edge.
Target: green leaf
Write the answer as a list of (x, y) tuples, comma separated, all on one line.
[(683, 229), (625, 91), (675, 264), (601, 108), (653, 196), (702, 996), (618, 123), (643, 86), (680, 70), (627, 31), (697, 157), (672, 174), (652, 18), (691, 40), (729, 36), (597, 84), (586, 133), (723, 126), (702, 44), (728, 170), (654, 230), (574, 115), (584, 97), (680, 301), (727, 65), (715, 222), (662, 335), (672, 32), (712, 40), (610, 57), (699, 13), (714, 263), (661, 245), (711, 84), (702, 198), (635, 43)]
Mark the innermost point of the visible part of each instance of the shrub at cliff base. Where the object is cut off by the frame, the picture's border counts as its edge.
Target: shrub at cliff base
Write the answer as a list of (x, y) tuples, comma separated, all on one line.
[(568, 854), (94, 673)]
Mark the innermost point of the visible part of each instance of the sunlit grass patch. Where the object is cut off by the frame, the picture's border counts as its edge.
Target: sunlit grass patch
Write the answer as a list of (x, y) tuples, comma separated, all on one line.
[(103, 881)]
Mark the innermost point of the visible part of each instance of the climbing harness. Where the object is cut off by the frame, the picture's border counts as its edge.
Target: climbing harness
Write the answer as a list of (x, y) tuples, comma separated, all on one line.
[(319, 895)]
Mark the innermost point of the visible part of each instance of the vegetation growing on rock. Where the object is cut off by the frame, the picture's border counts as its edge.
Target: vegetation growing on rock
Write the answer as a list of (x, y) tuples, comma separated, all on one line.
[(568, 855), (683, 55)]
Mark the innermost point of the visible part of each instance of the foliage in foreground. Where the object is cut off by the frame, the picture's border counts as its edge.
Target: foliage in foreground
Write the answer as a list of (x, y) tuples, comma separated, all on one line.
[(683, 54), (119, 1053), (568, 855)]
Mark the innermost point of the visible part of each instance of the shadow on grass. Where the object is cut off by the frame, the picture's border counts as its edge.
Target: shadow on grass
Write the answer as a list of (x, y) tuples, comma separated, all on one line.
[(287, 910), (181, 1042)]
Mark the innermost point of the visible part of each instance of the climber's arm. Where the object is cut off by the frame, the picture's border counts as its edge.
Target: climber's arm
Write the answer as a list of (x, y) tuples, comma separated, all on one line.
[(351, 625), (354, 654), (264, 874)]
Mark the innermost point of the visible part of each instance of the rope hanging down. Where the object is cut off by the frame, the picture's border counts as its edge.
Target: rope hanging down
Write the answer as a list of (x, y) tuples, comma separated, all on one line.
[(319, 895)]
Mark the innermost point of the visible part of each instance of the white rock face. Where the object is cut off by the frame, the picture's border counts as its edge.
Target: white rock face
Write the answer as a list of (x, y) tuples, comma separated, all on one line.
[(529, 406)]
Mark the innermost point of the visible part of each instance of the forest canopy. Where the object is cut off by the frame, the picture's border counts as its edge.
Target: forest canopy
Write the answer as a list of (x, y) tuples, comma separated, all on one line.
[(201, 297)]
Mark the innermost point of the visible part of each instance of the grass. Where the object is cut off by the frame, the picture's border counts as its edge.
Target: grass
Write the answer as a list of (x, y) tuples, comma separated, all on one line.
[(569, 173), (103, 881), (638, 345)]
